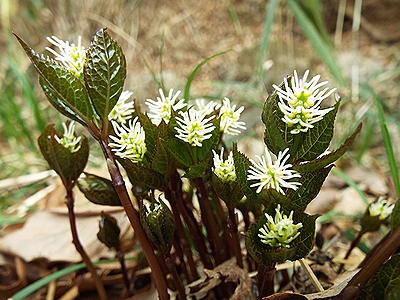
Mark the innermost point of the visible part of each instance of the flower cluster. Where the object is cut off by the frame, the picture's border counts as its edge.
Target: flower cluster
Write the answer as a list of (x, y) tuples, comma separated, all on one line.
[(273, 174), (69, 140), (230, 123), (300, 102), (161, 108), (193, 127), (123, 110), (279, 231), (224, 169), (381, 208), (71, 56), (129, 141)]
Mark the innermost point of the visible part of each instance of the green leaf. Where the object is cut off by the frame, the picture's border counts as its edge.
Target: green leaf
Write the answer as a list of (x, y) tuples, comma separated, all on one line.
[(66, 164), (182, 151), (151, 133), (385, 284), (311, 183), (242, 165), (65, 91), (161, 158), (395, 216), (329, 158), (104, 72), (204, 152), (316, 140), (276, 136), (230, 193), (142, 176), (98, 190), (109, 231), (159, 224), (299, 248), (198, 170)]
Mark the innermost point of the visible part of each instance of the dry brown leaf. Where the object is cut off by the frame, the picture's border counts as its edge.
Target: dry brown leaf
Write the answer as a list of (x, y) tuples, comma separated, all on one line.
[(47, 234)]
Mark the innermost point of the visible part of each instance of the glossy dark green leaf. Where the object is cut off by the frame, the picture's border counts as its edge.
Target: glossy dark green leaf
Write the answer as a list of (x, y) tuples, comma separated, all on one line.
[(181, 151), (276, 136), (161, 158), (109, 231), (104, 72), (329, 158), (142, 176), (159, 224), (230, 193), (151, 133), (66, 164), (98, 190), (204, 152), (65, 91), (385, 284), (299, 248), (242, 165), (198, 170), (395, 216), (317, 139), (311, 183)]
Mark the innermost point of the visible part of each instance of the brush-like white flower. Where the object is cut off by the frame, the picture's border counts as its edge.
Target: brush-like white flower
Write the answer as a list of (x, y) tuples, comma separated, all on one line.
[(300, 102), (71, 56), (161, 108), (279, 231), (129, 141), (230, 123), (204, 107), (69, 140), (224, 169), (273, 174), (193, 127), (381, 208), (123, 109)]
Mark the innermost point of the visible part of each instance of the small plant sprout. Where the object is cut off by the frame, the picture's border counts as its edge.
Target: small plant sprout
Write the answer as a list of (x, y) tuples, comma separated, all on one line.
[(300, 102), (279, 232), (161, 108), (71, 56), (381, 208), (230, 123), (69, 140), (273, 174), (224, 169), (129, 141), (124, 109), (193, 127)]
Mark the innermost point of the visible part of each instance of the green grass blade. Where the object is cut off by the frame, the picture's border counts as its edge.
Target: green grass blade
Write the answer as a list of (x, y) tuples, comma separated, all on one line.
[(388, 145), (317, 41), (351, 183), (25, 292), (193, 74), (264, 43)]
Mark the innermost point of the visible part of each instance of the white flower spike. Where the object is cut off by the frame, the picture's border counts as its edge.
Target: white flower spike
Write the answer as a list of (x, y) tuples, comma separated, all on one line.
[(224, 169), (273, 174), (300, 102), (161, 108), (193, 127), (71, 56), (69, 140), (206, 108), (129, 141), (381, 208), (123, 109), (279, 232), (230, 123)]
